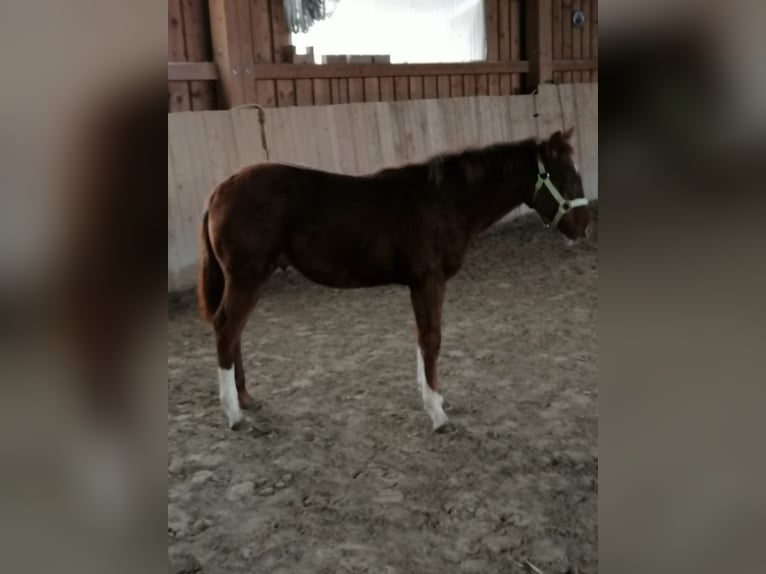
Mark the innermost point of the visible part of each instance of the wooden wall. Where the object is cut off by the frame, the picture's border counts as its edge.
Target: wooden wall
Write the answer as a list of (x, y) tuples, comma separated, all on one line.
[(189, 41), (205, 148), (249, 37)]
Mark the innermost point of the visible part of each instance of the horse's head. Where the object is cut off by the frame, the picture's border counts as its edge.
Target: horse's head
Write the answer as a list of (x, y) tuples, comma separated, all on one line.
[(558, 196)]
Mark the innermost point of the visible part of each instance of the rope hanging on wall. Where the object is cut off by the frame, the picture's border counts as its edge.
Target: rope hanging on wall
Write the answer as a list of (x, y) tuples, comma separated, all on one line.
[(302, 14)]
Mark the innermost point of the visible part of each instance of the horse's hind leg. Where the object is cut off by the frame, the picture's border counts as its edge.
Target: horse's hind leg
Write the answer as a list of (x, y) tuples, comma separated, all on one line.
[(427, 301), (230, 319)]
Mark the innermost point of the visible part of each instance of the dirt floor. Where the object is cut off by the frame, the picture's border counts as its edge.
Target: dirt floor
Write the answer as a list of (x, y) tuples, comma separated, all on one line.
[(338, 470)]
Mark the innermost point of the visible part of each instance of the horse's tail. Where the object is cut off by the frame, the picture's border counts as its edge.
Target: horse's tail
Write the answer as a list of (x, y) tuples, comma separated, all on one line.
[(211, 280)]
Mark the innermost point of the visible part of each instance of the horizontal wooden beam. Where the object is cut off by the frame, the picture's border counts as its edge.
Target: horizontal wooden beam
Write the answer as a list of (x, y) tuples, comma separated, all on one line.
[(575, 65), (312, 71), (202, 71), (192, 71)]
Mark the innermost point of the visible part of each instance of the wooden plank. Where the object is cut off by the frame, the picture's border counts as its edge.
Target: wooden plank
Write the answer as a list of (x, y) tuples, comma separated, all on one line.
[(416, 87), (197, 37), (442, 86), (304, 93), (266, 93), (594, 38), (491, 23), (575, 65), (322, 92), (387, 93), (226, 50), (401, 88), (482, 85), (335, 90), (343, 91), (567, 52), (455, 86), (504, 30), (260, 22), (192, 71), (494, 84), (371, 89), (539, 43), (429, 88), (280, 34), (469, 85), (576, 40), (516, 30), (585, 37), (311, 71), (245, 34), (285, 93), (179, 98), (556, 17), (505, 84), (356, 85)]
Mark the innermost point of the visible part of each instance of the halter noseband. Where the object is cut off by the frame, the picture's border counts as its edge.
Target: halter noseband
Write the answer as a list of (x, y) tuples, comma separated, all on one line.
[(565, 205)]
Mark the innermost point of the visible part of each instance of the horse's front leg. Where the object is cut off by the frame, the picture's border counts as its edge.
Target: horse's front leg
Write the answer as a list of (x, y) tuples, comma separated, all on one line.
[(427, 301)]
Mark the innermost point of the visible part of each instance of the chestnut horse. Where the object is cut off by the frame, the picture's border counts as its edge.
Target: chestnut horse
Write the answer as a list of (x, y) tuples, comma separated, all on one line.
[(409, 225)]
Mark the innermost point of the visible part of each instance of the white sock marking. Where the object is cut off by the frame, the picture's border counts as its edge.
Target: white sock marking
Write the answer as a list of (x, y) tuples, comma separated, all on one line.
[(227, 393), (432, 402)]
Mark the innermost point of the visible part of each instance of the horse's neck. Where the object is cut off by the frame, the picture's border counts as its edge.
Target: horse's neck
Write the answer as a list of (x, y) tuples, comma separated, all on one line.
[(495, 194)]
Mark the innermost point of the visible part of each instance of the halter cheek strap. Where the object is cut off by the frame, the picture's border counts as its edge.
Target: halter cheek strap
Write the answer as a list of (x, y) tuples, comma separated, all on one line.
[(565, 205)]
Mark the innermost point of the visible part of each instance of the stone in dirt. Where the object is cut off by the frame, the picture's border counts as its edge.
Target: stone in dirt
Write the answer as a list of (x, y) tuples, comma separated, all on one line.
[(241, 490)]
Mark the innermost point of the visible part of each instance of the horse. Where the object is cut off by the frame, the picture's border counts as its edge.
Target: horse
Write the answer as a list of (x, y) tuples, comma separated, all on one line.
[(409, 225)]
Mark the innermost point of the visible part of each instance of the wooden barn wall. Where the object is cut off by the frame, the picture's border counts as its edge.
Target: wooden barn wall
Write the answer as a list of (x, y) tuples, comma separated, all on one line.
[(571, 43), (189, 41), (204, 148)]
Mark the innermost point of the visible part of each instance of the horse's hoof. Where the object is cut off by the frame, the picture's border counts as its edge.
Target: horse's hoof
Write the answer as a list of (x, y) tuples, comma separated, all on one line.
[(237, 425), (441, 423), (246, 401)]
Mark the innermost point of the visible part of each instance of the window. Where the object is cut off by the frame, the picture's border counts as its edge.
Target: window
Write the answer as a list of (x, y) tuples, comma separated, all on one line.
[(409, 31)]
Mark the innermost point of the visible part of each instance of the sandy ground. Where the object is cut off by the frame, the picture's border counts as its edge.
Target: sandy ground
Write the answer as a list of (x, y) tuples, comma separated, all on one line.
[(338, 470)]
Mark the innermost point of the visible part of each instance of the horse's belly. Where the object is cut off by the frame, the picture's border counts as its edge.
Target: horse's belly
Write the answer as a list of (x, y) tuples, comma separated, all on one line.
[(345, 271)]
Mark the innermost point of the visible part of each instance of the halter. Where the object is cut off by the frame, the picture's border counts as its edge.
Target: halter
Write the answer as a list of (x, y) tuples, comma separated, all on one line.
[(565, 205)]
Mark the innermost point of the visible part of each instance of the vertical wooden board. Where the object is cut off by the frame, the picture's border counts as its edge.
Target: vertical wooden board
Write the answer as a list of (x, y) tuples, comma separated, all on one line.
[(342, 91), (517, 27), (247, 136), (365, 135), (266, 93), (387, 90), (548, 108), (585, 37), (504, 29), (401, 88), (197, 35), (179, 98), (437, 141), (494, 84), (505, 84), (246, 50), (335, 90), (285, 93), (566, 36), (577, 36), (429, 88), (469, 85), (594, 37), (491, 26), (280, 34), (304, 93), (322, 92), (322, 125), (442, 86), (260, 22), (556, 28), (224, 31), (482, 85), (356, 89), (385, 132), (416, 87), (222, 155), (455, 86), (343, 137), (371, 89), (585, 98)]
